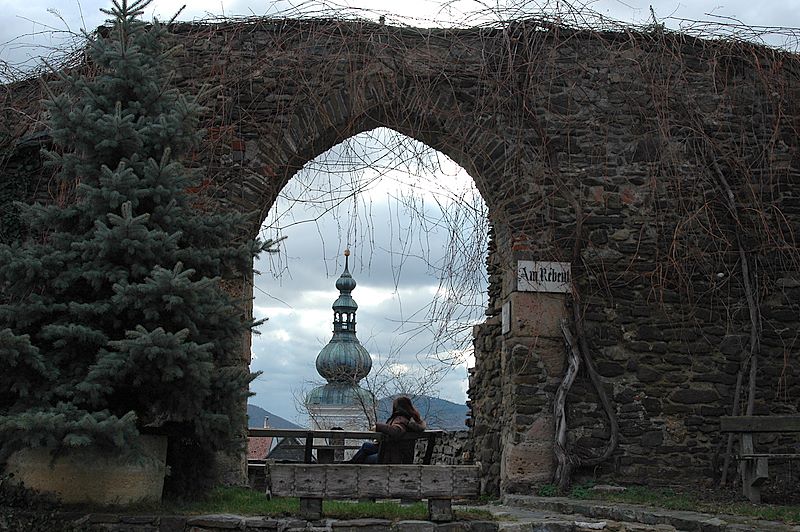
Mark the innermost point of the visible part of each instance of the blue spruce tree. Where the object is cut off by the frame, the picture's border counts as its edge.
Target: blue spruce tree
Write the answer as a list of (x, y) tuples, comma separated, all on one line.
[(113, 316)]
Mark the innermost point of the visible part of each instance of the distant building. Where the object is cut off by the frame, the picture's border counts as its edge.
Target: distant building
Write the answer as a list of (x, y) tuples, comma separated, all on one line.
[(258, 447), (288, 450), (343, 362)]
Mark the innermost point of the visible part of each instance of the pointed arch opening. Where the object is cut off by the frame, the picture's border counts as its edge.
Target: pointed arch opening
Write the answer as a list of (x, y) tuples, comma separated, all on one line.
[(418, 231)]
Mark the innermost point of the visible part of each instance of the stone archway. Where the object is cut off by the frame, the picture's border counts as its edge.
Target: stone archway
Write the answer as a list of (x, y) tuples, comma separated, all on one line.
[(595, 148), (283, 117), (575, 139), (417, 229)]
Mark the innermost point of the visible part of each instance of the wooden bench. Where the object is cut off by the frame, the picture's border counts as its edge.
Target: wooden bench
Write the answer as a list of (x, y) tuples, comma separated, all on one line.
[(335, 441), (313, 483), (754, 466)]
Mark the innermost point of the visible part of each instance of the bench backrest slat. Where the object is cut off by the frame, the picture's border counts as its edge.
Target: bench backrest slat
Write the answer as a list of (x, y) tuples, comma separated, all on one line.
[(337, 434), (760, 424), (342, 481)]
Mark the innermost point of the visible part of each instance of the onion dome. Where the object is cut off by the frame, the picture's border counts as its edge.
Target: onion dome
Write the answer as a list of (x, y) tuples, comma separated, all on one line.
[(340, 394), (343, 361)]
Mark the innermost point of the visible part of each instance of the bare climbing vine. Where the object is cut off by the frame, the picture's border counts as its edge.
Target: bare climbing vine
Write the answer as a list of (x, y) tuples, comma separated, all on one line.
[(749, 357), (710, 243), (578, 349)]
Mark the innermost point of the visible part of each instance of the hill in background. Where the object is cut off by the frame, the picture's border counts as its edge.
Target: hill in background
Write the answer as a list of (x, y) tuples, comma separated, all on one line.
[(256, 415), (437, 413)]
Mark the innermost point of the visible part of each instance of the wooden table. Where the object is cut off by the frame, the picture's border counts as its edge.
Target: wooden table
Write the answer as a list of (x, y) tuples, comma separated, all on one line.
[(336, 441)]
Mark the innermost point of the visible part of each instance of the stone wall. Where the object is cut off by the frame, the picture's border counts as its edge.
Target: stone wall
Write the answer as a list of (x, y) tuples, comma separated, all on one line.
[(485, 383), (452, 448), (616, 152)]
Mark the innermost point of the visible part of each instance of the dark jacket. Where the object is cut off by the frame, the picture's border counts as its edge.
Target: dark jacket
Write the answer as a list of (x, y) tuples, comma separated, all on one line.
[(399, 451)]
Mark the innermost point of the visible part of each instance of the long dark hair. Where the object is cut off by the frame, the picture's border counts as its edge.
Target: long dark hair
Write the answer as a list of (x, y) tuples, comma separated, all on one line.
[(403, 406)]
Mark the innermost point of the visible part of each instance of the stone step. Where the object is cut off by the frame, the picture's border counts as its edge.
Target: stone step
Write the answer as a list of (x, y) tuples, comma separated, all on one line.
[(631, 515)]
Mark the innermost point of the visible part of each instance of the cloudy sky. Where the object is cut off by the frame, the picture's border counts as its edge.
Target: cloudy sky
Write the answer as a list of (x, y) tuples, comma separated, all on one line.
[(29, 28), (400, 225)]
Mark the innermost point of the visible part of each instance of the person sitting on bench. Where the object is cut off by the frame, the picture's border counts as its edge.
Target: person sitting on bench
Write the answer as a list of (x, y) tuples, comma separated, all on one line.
[(404, 418)]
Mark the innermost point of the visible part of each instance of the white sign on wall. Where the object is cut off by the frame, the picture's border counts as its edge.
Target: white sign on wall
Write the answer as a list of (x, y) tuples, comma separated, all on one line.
[(537, 276), (505, 322)]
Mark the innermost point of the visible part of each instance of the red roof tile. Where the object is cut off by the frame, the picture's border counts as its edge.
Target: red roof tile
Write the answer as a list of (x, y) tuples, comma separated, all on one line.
[(258, 447)]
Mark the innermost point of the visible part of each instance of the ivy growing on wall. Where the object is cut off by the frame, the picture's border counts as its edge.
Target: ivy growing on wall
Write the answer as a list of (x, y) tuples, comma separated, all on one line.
[(22, 164)]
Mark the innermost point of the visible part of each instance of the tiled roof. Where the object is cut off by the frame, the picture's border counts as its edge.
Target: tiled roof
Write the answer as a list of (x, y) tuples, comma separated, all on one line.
[(258, 447), (294, 452)]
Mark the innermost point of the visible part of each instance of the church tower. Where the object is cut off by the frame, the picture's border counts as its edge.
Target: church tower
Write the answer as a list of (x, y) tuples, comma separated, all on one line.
[(343, 362)]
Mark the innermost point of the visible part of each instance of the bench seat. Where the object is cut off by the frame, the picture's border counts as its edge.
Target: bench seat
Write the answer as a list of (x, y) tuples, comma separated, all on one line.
[(754, 466), (312, 483)]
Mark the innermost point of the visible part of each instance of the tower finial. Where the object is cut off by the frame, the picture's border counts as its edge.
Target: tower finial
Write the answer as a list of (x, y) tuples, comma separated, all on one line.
[(346, 257)]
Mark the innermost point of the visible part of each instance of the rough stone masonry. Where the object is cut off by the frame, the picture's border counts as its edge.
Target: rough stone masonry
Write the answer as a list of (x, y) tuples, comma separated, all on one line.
[(650, 162)]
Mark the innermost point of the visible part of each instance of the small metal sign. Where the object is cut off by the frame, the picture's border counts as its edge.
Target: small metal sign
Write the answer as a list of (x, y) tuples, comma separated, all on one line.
[(536, 276)]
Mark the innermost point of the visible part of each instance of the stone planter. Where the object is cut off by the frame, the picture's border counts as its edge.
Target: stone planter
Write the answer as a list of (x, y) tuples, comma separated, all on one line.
[(90, 476)]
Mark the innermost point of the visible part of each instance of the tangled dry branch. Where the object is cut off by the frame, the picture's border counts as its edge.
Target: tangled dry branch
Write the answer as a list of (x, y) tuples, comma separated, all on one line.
[(707, 254)]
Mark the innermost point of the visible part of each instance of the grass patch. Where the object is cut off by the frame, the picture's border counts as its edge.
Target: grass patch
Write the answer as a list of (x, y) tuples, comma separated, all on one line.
[(247, 502), (677, 500), (547, 490), (239, 501)]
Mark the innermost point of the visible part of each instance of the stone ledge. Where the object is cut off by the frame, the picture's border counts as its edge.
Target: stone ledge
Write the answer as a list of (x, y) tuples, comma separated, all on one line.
[(681, 520), (217, 522), (223, 522)]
